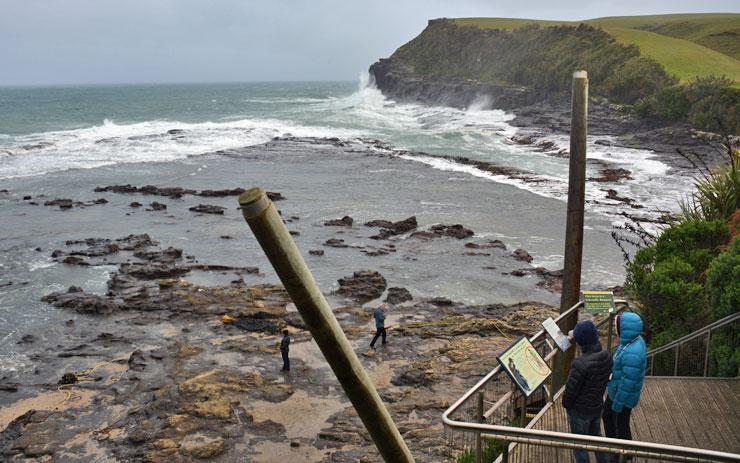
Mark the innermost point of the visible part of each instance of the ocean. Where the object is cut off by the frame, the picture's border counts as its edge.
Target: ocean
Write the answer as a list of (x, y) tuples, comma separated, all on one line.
[(62, 142)]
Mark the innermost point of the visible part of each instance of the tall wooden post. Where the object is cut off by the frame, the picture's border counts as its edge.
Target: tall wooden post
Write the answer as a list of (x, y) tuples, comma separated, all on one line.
[(574, 220), (281, 250)]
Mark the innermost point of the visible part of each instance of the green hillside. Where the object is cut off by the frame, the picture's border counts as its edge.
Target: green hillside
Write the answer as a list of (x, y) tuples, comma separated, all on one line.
[(717, 31), (687, 46), (682, 58)]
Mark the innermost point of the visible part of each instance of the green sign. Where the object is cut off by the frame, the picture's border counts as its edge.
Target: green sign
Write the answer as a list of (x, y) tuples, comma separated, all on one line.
[(598, 301)]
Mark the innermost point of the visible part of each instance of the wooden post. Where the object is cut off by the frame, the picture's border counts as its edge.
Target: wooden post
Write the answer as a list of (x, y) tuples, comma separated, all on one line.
[(281, 250), (574, 220), (478, 439), (675, 363), (706, 353)]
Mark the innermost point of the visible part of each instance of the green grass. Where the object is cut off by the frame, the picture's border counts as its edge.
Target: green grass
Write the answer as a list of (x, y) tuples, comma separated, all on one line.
[(686, 45), (686, 60), (717, 31)]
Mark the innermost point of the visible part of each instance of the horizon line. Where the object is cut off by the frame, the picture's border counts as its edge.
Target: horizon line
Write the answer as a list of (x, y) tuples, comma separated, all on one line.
[(217, 82)]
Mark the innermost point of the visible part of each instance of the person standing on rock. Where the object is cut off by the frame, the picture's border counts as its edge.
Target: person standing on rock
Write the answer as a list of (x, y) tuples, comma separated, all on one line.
[(584, 392), (284, 349), (628, 374), (379, 316)]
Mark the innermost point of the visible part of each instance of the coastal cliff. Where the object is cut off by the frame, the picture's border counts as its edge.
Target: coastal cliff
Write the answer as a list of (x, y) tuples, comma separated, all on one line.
[(399, 82), (527, 69), (455, 65), (514, 64)]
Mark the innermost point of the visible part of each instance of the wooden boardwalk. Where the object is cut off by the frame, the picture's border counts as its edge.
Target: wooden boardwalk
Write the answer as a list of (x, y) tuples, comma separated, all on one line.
[(691, 412)]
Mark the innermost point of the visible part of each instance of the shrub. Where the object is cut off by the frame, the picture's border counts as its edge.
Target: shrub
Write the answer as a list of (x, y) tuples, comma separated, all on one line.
[(724, 356), (637, 78), (492, 448), (666, 279), (670, 104), (717, 194), (695, 242), (671, 300), (723, 282), (708, 103)]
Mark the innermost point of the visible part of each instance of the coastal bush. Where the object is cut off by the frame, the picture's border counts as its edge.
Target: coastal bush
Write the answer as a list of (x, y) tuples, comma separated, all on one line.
[(723, 282), (667, 279), (709, 103), (635, 79), (724, 356), (717, 194)]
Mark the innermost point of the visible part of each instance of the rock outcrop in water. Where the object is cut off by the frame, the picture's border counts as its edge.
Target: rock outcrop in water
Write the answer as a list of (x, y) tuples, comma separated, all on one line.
[(362, 286), (388, 228), (437, 231), (345, 221)]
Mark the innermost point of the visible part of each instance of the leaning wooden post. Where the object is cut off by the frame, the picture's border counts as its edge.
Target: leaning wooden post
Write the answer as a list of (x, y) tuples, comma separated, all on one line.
[(574, 220), (281, 250)]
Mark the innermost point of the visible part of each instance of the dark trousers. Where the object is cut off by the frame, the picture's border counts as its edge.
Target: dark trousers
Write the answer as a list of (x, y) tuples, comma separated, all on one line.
[(286, 361), (617, 425), (590, 426), (378, 333)]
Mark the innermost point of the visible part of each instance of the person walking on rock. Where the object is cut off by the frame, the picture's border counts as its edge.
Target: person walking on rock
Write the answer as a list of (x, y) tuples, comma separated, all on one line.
[(584, 392), (379, 316), (628, 374), (284, 349)]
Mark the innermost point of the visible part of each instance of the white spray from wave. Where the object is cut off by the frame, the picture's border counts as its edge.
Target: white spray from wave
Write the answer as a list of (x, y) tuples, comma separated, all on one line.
[(151, 141)]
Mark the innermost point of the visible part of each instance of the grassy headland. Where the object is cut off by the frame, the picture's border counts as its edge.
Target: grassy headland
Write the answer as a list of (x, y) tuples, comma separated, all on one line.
[(716, 31), (682, 62)]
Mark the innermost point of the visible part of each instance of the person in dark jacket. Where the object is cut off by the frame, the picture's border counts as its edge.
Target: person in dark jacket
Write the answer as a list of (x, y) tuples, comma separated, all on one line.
[(630, 362), (284, 349), (379, 316), (584, 391)]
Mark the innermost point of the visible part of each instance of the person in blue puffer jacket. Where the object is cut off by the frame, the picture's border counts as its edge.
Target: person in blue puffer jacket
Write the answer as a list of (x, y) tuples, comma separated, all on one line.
[(628, 373)]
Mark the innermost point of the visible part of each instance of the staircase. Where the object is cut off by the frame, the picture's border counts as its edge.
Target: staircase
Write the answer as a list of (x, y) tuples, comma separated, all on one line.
[(689, 409)]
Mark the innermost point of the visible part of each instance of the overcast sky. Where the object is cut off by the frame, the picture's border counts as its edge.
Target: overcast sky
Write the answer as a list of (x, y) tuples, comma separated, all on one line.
[(122, 41)]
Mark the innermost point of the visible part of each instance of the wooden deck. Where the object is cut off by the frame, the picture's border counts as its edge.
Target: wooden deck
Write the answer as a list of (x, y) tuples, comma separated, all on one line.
[(691, 412)]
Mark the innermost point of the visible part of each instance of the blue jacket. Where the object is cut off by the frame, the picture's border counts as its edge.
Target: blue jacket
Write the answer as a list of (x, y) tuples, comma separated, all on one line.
[(630, 362), (379, 317)]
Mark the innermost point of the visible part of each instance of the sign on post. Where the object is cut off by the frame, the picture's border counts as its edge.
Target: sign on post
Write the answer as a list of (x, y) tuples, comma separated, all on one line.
[(556, 334), (598, 301), (525, 366)]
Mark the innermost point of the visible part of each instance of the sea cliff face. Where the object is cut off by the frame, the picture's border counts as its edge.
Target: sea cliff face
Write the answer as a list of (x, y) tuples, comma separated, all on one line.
[(399, 82)]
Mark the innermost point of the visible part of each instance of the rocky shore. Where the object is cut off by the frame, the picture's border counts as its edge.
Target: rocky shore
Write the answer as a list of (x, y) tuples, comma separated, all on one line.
[(150, 372)]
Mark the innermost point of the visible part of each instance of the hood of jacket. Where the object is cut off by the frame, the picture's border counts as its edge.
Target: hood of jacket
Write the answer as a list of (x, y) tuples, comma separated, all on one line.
[(630, 326)]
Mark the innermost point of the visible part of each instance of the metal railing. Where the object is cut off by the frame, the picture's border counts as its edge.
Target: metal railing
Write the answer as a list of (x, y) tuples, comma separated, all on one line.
[(493, 420), (495, 400), (699, 353)]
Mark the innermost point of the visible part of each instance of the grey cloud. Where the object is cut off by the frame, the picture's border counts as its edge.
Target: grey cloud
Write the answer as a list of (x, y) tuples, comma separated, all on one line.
[(105, 41)]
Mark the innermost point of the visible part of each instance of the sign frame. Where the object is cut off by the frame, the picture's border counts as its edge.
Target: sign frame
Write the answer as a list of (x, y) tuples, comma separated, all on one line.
[(518, 349)]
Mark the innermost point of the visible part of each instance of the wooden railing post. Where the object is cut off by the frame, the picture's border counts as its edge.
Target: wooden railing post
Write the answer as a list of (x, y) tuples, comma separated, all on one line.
[(478, 439), (675, 363), (281, 250), (706, 353), (574, 220)]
